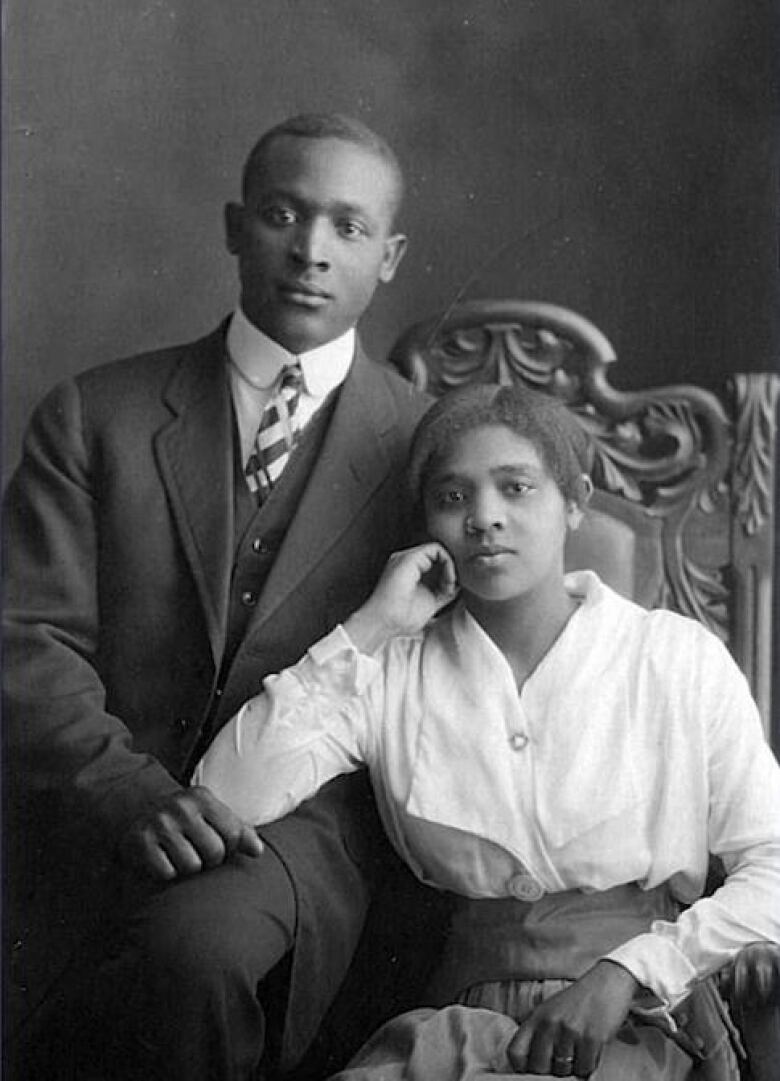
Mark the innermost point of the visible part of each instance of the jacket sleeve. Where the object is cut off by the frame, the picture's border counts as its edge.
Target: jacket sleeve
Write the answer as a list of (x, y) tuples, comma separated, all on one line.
[(60, 740)]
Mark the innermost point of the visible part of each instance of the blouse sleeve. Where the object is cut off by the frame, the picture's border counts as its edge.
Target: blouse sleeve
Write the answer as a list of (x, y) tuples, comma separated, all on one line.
[(309, 724), (743, 829)]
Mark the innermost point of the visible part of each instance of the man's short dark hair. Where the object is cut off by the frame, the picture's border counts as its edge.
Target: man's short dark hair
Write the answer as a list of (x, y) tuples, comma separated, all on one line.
[(325, 126)]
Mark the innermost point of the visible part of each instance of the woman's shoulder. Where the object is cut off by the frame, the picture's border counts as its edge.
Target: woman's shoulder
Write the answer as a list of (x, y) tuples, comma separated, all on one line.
[(674, 631), (656, 630)]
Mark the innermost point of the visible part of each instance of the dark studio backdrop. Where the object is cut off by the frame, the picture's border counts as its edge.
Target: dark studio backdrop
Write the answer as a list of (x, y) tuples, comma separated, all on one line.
[(643, 134), (646, 129)]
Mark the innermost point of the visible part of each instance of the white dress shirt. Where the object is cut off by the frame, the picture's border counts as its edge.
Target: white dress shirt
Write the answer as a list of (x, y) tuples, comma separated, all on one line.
[(261, 359), (632, 751)]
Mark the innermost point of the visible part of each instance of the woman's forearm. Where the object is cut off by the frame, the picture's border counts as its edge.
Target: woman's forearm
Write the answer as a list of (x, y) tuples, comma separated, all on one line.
[(305, 728), (674, 954)]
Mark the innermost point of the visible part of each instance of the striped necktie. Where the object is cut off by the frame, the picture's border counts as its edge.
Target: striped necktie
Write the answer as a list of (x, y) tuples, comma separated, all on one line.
[(276, 436)]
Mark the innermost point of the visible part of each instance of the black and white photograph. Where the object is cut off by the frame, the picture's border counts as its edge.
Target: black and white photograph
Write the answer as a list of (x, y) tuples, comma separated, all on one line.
[(389, 652)]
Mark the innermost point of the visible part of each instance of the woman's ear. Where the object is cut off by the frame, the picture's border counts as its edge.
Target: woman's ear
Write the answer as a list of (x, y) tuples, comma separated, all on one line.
[(575, 510)]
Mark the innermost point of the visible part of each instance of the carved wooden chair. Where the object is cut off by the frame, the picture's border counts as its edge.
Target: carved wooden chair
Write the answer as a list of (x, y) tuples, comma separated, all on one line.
[(682, 516)]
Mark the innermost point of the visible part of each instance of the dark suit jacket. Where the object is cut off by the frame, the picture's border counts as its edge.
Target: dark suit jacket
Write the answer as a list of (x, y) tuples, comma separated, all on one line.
[(118, 558)]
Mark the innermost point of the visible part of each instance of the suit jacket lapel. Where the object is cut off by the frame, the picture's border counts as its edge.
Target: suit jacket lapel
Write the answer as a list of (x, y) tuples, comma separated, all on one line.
[(353, 462), (194, 454)]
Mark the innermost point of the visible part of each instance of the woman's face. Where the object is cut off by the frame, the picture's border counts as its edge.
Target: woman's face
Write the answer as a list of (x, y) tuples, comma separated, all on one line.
[(492, 503)]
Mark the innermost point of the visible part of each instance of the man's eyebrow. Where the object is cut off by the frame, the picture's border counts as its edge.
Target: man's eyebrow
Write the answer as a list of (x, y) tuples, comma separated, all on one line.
[(337, 206), (352, 210), (266, 194)]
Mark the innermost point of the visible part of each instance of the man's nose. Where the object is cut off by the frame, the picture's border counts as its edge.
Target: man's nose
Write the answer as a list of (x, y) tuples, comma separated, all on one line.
[(311, 244)]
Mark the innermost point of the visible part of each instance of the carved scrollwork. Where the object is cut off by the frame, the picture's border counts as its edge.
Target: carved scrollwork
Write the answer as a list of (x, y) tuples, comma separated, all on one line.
[(752, 476), (665, 450), (501, 353)]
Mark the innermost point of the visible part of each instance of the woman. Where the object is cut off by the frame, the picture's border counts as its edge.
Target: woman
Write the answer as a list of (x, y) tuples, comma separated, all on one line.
[(560, 759)]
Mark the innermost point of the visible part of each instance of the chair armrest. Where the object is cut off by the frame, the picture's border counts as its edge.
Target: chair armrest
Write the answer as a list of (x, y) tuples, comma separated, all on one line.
[(751, 986), (753, 977)]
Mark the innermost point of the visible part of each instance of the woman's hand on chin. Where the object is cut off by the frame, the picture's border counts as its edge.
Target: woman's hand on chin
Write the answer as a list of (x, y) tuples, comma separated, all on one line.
[(565, 1035), (414, 586)]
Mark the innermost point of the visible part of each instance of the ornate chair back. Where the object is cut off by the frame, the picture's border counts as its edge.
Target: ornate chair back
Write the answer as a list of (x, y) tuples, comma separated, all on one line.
[(682, 516)]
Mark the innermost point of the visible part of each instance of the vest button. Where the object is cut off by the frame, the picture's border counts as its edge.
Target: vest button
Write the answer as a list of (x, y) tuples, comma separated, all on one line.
[(182, 725), (248, 598), (525, 888), (259, 545), (518, 741)]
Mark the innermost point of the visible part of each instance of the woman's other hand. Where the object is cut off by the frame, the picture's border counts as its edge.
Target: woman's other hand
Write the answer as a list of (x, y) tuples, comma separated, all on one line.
[(415, 584), (565, 1035)]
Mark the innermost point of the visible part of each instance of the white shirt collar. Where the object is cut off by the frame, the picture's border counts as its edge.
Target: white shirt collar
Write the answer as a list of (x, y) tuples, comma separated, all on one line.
[(261, 358)]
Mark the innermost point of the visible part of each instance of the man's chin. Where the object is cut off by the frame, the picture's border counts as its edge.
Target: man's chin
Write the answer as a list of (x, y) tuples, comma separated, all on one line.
[(299, 329)]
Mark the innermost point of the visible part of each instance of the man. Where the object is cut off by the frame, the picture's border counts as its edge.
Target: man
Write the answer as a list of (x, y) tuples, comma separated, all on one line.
[(182, 524)]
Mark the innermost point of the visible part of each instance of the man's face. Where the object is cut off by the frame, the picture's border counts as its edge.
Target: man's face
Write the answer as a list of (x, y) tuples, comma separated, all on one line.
[(313, 239)]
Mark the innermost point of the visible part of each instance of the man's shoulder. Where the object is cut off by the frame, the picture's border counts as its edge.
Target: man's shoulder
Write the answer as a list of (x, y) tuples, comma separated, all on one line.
[(129, 394), (409, 400), (151, 368)]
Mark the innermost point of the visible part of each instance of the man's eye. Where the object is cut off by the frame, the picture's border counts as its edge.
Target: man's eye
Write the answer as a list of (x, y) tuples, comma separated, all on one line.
[(278, 215), (351, 229), (517, 487)]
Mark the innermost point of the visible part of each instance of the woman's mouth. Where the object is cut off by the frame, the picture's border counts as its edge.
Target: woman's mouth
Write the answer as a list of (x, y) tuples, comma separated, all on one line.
[(491, 556)]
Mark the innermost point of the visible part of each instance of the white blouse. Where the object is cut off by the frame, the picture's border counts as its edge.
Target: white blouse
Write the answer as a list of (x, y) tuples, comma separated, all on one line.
[(632, 751)]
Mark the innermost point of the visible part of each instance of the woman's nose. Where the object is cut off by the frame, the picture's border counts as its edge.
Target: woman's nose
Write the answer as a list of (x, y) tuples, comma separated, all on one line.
[(486, 513)]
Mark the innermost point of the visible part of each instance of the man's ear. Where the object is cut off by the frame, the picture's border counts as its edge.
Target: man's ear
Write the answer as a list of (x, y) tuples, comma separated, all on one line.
[(234, 227), (575, 511), (395, 249)]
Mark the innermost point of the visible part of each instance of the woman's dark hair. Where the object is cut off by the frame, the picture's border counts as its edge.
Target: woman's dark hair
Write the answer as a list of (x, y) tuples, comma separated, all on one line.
[(544, 421)]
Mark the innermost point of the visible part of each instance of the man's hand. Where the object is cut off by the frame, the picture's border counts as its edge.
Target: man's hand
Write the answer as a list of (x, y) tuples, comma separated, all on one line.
[(414, 585), (565, 1035), (187, 832)]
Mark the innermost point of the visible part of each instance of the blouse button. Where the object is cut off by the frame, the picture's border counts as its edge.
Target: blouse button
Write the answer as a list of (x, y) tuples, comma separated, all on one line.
[(259, 546), (248, 598), (518, 741), (525, 888)]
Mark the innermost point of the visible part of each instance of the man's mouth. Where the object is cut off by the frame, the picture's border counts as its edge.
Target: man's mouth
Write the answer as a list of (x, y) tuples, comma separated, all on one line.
[(307, 296)]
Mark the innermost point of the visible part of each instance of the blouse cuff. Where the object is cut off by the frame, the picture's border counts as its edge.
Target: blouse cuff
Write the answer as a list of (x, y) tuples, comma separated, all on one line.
[(656, 963), (339, 655)]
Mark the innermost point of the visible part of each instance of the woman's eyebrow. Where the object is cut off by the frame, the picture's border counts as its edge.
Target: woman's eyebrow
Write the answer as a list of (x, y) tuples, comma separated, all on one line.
[(531, 469), (445, 478), (518, 467)]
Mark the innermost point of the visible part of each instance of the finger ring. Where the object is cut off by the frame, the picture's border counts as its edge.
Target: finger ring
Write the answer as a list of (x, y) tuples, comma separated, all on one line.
[(563, 1060)]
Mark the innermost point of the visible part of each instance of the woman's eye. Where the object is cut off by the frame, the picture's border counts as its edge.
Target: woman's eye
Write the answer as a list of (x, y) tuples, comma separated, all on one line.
[(450, 497), (518, 487)]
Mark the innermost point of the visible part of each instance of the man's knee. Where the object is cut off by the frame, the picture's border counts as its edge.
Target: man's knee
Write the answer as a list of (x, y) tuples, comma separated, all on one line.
[(234, 920)]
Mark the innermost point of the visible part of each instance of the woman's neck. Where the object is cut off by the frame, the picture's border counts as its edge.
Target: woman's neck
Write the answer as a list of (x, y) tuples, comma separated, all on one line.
[(524, 628)]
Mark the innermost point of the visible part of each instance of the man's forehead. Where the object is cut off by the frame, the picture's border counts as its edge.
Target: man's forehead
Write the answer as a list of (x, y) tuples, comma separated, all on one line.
[(357, 170)]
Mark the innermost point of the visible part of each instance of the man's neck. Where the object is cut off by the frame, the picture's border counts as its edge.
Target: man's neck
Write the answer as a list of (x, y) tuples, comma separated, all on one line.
[(260, 356)]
